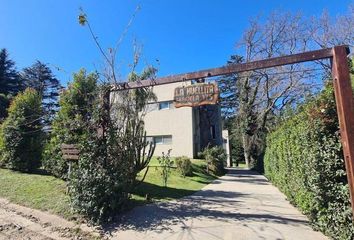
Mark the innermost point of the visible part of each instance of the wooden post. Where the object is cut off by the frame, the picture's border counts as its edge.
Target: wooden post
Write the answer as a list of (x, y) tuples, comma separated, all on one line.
[(345, 110)]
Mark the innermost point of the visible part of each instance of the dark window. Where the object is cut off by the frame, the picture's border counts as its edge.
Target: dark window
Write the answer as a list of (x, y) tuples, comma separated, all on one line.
[(164, 139), (164, 105), (213, 131)]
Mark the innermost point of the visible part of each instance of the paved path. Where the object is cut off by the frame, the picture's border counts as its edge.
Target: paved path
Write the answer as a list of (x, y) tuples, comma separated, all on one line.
[(240, 205)]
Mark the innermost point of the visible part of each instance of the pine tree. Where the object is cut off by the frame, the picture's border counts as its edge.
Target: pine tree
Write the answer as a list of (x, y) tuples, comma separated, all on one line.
[(40, 77), (228, 89), (9, 82), (9, 79)]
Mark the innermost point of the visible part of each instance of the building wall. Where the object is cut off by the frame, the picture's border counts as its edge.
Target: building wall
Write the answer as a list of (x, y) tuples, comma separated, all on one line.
[(177, 122), (189, 127), (209, 117)]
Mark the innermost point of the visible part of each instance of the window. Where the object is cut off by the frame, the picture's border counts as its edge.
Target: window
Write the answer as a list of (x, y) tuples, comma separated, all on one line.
[(165, 105), (158, 139), (165, 139), (213, 131), (149, 139)]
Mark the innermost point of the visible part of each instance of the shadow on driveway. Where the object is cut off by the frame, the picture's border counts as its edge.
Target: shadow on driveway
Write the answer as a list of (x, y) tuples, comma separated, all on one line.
[(213, 203)]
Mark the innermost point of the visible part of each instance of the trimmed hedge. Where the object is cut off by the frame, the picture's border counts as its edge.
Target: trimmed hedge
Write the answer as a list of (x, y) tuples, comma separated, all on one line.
[(304, 159)]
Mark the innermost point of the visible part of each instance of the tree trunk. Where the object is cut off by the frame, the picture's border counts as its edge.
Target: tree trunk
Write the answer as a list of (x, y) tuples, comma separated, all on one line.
[(247, 148)]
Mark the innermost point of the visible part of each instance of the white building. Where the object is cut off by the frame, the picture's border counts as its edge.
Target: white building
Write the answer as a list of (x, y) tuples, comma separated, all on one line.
[(185, 130)]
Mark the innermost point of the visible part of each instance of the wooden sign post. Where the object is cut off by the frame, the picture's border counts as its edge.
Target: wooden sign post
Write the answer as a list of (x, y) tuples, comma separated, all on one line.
[(70, 153), (196, 95)]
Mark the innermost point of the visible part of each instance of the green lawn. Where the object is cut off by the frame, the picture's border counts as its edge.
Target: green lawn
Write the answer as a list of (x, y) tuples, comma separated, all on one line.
[(48, 193), (177, 186), (241, 165), (35, 191)]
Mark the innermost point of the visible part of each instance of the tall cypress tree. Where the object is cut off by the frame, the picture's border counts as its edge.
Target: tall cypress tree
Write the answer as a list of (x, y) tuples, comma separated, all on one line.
[(40, 77)]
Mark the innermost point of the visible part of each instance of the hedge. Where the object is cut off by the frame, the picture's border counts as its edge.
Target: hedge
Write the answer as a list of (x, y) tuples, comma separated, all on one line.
[(304, 159)]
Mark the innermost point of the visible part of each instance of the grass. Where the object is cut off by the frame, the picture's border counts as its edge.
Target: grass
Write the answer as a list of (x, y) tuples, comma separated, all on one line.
[(242, 165), (177, 186), (48, 193), (37, 191)]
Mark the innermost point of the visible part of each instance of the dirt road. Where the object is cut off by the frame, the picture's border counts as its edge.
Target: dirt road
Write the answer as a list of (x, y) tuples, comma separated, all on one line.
[(18, 223)]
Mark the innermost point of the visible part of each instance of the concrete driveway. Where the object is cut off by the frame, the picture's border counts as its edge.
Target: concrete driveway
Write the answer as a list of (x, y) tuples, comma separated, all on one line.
[(239, 205)]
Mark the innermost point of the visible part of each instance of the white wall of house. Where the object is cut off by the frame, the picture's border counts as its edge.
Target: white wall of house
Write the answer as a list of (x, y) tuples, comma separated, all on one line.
[(170, 122)]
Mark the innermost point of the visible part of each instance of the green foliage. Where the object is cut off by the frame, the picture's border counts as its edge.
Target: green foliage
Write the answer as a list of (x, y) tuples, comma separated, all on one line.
[(9, 79), (21, 133), (114, 149), (304, 159), (4, 104), (70, 125), (99, 185), (184, 166), (40, 77), (166, 164), (215, 158)]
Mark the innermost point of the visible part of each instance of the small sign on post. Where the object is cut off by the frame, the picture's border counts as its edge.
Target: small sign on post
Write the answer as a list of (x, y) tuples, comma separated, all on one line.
[(70, 153), (196, 95)]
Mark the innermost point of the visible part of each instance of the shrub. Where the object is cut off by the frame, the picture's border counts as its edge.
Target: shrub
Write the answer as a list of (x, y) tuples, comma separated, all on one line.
[(184, 166), (70, 124), (304, 159), (215, 158), (114, 149), (98, 186), (21, 133)]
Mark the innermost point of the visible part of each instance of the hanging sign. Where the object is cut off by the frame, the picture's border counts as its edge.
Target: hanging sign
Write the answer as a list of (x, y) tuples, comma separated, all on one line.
[(196, 95)]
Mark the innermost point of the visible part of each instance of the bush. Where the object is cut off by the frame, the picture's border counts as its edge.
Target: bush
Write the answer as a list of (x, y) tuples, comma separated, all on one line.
[(304, 159), (184, 166), (215, 158), (21, 133), (98, 186), (114, 149), (70, 124)]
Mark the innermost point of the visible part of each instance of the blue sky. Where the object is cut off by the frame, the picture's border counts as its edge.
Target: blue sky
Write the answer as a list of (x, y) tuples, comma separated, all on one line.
[(184, 35)]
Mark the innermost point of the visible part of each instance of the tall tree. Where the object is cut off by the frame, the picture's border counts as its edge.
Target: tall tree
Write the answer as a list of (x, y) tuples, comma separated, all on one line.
[(259, 95), (228, 90), (9, 79), (70, 125), (9, 82), (40, 77)]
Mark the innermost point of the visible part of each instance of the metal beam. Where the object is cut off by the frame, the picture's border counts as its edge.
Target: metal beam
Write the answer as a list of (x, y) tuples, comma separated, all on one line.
[(236, 68), (345, 110)]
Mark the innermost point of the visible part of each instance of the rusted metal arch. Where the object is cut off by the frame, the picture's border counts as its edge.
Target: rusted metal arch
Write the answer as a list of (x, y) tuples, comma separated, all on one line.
[(234, 68), (341, 80)]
